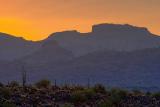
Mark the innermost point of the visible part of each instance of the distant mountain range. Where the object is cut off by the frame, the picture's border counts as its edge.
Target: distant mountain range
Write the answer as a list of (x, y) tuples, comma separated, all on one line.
[(12, 48), (112, 54)]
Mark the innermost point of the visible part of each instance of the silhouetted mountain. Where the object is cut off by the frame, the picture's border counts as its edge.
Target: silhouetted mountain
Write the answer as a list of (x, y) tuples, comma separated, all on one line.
[(103, 37), (107, 37), (49, 52), (9, 71), (116, 55), (12, 48), (123, 69)]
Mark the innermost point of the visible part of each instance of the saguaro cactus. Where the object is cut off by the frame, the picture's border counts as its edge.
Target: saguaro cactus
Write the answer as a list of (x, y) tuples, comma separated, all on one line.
[(24, 76)]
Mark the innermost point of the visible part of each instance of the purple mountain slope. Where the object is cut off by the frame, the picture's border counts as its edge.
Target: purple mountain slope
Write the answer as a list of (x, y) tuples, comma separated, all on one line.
[(114, 55), (12, 48), (107, 37)]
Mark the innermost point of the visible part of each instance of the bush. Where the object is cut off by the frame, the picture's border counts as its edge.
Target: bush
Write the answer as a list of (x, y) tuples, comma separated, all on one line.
[(67, 105), (107, 103), (78, 96), (5, 93), (43, 84), (157, 94), (14, 84), (99, 89), (148, 93), (1, 85), (82, 95), (78, 87), (137, 93), (89, 93), (7, 104), (116, 95)]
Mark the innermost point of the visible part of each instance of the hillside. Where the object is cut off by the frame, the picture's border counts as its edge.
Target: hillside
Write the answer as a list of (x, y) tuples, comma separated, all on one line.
[(112, 54)]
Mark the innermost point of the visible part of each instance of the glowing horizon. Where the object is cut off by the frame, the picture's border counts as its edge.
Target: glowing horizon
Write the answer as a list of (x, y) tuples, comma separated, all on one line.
[(36, 20)]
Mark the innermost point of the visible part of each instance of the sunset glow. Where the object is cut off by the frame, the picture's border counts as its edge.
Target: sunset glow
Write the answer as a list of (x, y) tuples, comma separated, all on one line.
[(36, 19)]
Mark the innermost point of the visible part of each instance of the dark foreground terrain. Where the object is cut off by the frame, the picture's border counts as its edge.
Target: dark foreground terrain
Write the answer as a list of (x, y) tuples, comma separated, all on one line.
[(43, 94)]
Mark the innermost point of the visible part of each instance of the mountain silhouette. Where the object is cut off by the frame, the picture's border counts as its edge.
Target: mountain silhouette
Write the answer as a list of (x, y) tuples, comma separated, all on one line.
[(112, 54), (47, 53), (107, 37), (12, 48)]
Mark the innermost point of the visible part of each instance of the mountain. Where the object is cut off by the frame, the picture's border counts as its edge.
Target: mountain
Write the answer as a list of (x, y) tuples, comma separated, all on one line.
[(111, 68), (12, 48), (114, 37), (107, 37), (49, 52), (9, 71), (112, 54)]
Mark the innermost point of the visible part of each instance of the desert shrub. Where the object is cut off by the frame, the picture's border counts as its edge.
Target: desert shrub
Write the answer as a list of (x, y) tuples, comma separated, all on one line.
[(1, 85), (67, 105), (89, 93), (99, 89), (78, 87), (14, 84), (157, 94), (65, 86), (5, 92), (116, 95), (137, 92), (7, 104), (43, 84), (107, 103), (78, 96), (148, 93), (82, 95)]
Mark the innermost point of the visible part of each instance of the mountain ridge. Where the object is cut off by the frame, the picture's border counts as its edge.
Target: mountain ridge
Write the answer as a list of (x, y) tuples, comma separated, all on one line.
[(93, 27), (114, 55), (115, 37)]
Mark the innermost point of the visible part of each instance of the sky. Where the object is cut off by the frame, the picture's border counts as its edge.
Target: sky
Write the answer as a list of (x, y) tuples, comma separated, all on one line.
[(37, 19)]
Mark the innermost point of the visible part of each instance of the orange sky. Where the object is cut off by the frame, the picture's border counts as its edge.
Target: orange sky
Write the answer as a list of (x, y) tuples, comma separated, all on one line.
[(36, 19)]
